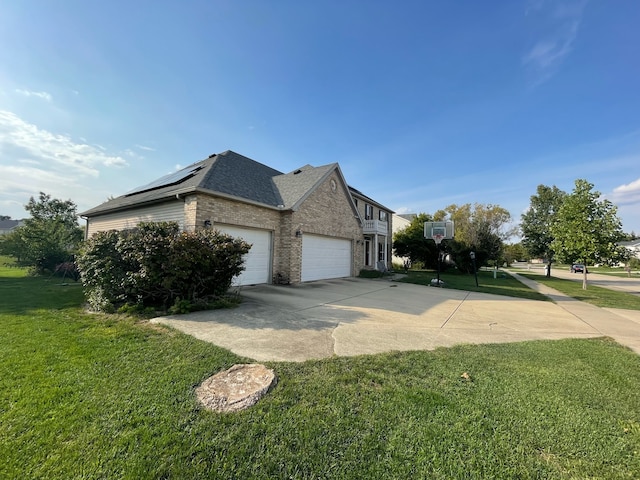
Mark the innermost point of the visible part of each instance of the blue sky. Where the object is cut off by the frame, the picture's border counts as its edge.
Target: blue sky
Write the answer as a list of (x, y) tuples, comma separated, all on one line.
[(422, 103)]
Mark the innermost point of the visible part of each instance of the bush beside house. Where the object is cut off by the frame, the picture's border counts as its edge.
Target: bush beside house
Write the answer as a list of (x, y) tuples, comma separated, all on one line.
[(157, 265)]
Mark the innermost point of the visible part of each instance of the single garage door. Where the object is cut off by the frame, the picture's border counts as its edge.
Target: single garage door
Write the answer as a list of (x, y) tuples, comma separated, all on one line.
[(258, 261), (325, 257)]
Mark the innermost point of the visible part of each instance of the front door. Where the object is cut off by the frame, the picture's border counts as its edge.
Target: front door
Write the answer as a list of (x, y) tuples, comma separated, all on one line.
[(367, 253)]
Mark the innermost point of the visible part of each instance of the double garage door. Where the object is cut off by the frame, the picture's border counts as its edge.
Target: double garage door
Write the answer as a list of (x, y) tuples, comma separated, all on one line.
[(322, 257), (325, 257)]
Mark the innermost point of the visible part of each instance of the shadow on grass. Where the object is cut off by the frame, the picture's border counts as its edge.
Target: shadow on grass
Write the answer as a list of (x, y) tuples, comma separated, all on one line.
[(504, 284), (21, 296)]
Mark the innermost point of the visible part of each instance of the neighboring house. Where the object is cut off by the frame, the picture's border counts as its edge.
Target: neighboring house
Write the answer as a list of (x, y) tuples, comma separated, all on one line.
[(400, 222), (303, 225), (7, 226), (633, 246)]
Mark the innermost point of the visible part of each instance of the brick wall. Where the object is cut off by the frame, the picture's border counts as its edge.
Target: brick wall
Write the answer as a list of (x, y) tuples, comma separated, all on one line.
[(327, 211), (231, 212)]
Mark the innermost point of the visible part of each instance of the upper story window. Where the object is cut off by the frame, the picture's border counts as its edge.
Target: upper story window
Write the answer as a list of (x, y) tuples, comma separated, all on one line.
[(368, 211), (382, 216)]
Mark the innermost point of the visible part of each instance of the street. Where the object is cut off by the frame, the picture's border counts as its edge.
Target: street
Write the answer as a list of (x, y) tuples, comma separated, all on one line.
[(623, 284)]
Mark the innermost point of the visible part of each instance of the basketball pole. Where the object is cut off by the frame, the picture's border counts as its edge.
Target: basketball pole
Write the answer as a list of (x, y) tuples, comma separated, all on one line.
[(439, 257)]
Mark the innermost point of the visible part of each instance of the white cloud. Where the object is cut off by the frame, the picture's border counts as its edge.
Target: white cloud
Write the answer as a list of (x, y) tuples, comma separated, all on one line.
[(33, 160), (20, 141), (546, 56), (143, 147), (626, 194), (30, 93), (115, 162), (403, 210)]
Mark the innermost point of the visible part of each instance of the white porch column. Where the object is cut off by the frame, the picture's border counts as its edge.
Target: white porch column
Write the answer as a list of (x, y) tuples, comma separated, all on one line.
[(375, 250), (386, 247)]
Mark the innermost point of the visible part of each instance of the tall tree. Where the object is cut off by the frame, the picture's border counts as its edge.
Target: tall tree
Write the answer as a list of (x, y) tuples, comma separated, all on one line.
[(49, 237), (481, 228), (410, 242), (587, 228), (514, 252), (537, 221)]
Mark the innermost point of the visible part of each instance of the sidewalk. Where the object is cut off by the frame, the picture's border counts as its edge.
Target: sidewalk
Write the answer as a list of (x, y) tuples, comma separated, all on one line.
[(621, 325)]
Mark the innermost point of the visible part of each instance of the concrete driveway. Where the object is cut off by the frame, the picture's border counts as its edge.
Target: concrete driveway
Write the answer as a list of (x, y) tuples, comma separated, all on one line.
[(356, 316)]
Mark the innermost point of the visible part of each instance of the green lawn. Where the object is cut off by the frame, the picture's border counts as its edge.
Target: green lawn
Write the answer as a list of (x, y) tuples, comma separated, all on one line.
[(503, 284), (598, 296), (616, 272), (91, 396), (9, 270)]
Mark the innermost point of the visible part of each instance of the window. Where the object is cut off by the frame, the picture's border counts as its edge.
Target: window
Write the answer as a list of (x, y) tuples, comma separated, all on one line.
[(380, 252), (368, 211), (382, 216)]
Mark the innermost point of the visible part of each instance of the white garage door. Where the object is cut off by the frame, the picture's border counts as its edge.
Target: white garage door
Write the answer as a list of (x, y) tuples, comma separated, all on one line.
[(258, 261), (325, 257)]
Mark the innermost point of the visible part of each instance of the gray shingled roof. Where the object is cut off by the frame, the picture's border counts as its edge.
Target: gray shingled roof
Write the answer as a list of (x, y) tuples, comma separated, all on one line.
[(8, 224), (295, 186), (232, 174), (358, 193)]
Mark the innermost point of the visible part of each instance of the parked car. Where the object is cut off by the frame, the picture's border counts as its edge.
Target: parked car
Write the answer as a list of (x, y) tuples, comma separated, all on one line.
[(578, 268)]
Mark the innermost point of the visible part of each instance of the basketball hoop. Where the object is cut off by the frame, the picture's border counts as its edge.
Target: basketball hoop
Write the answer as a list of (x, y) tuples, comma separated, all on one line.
[(437, 238)]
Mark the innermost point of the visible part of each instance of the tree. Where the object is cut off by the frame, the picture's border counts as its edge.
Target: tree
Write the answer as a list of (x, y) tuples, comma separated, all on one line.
[(514, 252), (49, 237), (587, 228), (479, 228), (410, 242), (537, 222)]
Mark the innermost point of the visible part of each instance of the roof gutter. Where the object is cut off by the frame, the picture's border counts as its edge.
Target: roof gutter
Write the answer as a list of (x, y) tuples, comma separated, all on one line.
[(168, 198)]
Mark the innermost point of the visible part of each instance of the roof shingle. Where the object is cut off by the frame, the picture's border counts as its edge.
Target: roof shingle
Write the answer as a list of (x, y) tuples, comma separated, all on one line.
[(227, 173)]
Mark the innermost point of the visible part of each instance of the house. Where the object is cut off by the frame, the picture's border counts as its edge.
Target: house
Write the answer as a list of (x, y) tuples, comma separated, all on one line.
[(633, 246), (400, 222), (377, 231), (304, 225), (7, 226)]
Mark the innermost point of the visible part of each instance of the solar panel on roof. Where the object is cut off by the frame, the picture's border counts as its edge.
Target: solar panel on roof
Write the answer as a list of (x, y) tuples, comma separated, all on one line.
[(170, 179)]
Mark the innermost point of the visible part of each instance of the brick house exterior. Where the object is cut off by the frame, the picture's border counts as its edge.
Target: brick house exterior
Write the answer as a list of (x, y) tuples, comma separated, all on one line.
[(304, 225)]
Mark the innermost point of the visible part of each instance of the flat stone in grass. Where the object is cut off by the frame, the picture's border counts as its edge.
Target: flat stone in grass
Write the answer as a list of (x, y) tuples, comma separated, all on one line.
[(236, 388)]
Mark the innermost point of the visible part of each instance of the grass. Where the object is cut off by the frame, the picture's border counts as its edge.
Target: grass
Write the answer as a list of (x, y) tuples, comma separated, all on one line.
[(8, 268), (598, 296), (93, 396), (603, 270), (614, 271), (504, 284)]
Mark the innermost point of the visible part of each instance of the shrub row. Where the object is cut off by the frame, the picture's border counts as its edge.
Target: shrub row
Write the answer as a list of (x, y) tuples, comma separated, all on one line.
[(157, 265)]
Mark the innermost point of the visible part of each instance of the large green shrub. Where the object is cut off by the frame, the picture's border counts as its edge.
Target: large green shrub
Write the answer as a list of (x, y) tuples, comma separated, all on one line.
[(156, 265), (48, 238)]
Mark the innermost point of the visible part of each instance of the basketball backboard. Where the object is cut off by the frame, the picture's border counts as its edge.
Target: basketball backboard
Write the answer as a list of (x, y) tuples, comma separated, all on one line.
[(439, 231)]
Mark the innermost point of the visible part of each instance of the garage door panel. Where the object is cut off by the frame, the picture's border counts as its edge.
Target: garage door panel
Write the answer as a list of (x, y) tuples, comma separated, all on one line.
[(325, 257), (258, 261)]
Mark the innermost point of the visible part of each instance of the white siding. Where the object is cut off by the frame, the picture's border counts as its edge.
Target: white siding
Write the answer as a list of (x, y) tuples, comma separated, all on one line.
[(164, 212)]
